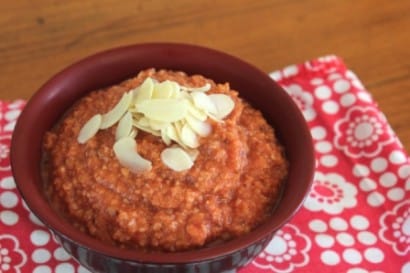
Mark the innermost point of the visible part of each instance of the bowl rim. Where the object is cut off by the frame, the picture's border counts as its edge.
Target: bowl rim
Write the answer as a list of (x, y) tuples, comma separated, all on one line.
[(55, 223)]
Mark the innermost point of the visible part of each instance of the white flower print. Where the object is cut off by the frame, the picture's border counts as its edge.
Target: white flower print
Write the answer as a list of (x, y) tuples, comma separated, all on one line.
[(12, 258), (288, 250), (362, 132), (396, 228), (331, 193), (303, 99)]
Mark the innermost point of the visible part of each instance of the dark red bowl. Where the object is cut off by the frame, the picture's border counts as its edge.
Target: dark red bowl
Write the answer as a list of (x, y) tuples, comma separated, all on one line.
[(113, 66)]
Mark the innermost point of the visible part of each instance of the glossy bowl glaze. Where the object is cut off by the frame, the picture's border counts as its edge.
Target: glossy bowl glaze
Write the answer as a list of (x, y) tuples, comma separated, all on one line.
[(110, 67)]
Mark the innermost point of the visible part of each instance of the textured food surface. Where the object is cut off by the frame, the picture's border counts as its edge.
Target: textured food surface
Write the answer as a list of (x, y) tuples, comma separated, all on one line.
[(231, 188)]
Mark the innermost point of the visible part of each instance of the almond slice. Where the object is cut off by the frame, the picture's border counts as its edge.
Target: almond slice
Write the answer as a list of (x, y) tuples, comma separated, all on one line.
[(133, 133), (125, 150), (178, 126), (143, 124), (158, 125), (203, 102), (116, 113), (147, 129), (205, 88), (188, 137), (164, 90), (193, 153), (197, 113), (167, 110), (224, 105), (143, 121), (144, 91), (202, 128), (89, 129), (174, 133), (176, 159), (124, 126), (171, 132), (176, 89), (165, 137), (184, 95)]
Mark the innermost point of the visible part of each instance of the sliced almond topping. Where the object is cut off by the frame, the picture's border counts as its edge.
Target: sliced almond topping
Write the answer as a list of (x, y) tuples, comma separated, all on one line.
[(205, 88), (164, 90), (175, 113), (146, 128), (188, 137), (224, 105), (203, 102), (144, 92), (176, 159), (171, 132), (184, 95), (165, 137), (197, 113), (158, 125), (89, 129), (124, 126), (176, 89), (117, 112), (178, 128), (133, 133), (193, 153), (143, 121), (125, 150), (202, 128), (167, 110)]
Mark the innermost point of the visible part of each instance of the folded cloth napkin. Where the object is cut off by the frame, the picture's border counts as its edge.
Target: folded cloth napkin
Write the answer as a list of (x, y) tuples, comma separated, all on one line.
[(356, 218)]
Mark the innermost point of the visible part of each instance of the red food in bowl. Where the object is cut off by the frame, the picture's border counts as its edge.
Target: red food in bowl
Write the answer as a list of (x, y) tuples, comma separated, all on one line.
[(53, 99)]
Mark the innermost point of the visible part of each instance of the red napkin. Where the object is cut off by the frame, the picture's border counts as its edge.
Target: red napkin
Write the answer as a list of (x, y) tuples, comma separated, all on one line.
[(356, 218)]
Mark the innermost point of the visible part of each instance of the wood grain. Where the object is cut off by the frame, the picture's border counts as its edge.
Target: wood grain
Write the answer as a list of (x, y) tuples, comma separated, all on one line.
[(39, 38)]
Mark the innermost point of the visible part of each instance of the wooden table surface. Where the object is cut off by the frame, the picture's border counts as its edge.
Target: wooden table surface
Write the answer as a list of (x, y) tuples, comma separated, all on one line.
[(39, 38)]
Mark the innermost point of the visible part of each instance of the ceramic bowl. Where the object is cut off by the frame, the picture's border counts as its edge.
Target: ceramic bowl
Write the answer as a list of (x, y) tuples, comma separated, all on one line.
[(50, 102)]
